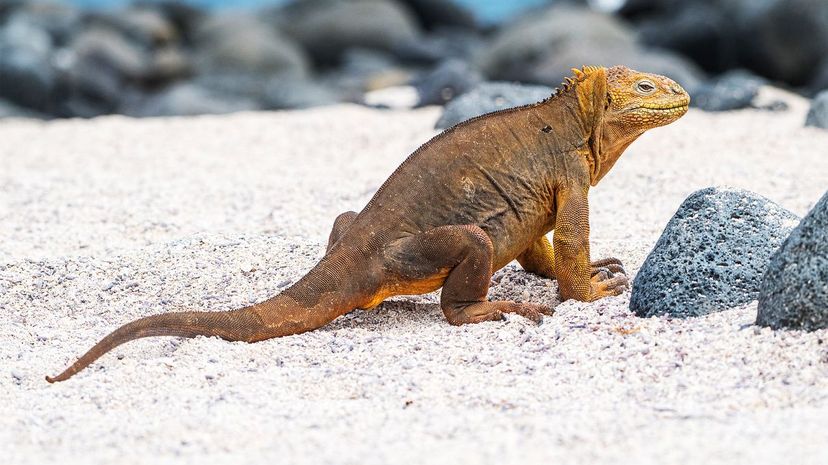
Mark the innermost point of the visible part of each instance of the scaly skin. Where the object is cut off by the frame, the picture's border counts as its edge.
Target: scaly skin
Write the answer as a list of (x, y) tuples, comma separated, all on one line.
[(466, 203)]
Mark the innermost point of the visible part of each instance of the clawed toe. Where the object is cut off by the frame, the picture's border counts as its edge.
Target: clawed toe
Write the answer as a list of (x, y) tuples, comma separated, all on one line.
[(548, 311), (615, 285), (494, 311), (536, 312), (602, 272), (532, 312), (616, 268), (606, 262), (611, 266)]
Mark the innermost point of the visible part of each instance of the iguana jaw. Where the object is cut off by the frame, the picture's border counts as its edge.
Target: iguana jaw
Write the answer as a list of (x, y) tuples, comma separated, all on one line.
[(659, 114), (652, 115), (682, 104)]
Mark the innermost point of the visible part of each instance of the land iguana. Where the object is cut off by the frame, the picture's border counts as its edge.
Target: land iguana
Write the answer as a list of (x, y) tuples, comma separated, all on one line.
[(463, 205)]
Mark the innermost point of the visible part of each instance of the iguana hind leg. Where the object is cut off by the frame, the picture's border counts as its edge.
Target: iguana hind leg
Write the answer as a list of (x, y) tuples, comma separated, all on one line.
[(341, 224), (463, 254)]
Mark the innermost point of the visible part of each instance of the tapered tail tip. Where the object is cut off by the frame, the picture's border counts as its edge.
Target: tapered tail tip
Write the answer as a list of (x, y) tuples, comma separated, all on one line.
[(58, 378)]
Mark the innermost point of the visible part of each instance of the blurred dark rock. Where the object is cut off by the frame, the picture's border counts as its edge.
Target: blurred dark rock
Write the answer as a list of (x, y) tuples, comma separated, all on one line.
[(270, 92), (7, 6), (167, 64), (521, 45), (23, 31), (362, 62), (634, 9), (27, 78), (101, 46), (184, 99), (818, 113), (794, 291), (820, 80), (242, 43), (98, 66), (433, 14), (697, 30), (552, 69), (239, 84), (144, 26), (363, 70), (185, 18), (71, 64), (543, 48), (439, 46), (27, 74), (283, 94), (57, 20), (452, 78), (731, 91), (666, 63), (10, 110), (489, 97), (326, 29), (61, 60), (784, 40), (711, 255)]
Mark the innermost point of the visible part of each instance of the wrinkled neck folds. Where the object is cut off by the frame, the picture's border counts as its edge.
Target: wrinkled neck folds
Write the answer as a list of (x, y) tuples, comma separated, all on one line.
[(579, 108), (615, 138), (608, 135)]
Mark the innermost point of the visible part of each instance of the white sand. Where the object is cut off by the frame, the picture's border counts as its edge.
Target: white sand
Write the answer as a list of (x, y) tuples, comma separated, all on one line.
[(108, 220)]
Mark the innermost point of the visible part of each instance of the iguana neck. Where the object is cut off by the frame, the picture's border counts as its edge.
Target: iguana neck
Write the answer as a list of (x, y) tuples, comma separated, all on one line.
[(570, 126), (615, 137), (607, 136), (582, 101)]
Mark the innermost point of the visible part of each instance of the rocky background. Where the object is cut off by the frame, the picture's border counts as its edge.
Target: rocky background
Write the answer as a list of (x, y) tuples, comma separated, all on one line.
[(168, 58)]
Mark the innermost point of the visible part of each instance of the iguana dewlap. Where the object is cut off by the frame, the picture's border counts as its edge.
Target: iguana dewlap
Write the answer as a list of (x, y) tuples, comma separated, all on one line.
[(469, 201)]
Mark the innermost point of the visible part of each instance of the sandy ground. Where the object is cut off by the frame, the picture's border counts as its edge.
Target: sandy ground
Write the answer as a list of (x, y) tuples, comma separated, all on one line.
[(108, 220)]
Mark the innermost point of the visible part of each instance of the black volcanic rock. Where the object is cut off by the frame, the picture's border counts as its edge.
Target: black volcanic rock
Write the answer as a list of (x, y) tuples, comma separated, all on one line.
[(794, 291), (712, 254)]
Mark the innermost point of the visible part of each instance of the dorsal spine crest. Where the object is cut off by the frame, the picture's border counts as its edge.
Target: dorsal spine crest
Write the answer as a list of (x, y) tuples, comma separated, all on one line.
[(578, 75)]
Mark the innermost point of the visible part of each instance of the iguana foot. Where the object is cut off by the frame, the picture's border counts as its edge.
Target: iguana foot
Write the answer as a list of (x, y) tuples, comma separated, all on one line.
[(494, 311), (605, 284)]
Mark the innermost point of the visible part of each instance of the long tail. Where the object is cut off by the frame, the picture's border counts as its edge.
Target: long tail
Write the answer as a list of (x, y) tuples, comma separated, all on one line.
[(314, 301)]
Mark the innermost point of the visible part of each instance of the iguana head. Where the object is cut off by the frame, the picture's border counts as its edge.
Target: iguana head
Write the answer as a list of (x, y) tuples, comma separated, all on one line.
[(641, 100), (619, 104)]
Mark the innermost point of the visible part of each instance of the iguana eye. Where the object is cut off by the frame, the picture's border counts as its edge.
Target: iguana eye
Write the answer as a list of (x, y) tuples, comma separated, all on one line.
[(645, 87)]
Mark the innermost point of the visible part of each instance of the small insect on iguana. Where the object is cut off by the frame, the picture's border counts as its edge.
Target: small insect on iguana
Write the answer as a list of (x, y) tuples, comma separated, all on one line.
[(466, 203)]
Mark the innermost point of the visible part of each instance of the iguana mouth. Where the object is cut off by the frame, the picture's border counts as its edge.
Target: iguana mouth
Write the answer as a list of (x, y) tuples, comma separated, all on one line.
[(665, 107)]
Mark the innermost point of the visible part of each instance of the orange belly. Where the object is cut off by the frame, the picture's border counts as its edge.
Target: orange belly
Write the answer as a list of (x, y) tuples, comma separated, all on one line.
[(422, 286)]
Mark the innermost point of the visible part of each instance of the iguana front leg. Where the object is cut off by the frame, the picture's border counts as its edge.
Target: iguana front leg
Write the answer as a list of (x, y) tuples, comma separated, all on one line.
[(539, 258), (573, 268)]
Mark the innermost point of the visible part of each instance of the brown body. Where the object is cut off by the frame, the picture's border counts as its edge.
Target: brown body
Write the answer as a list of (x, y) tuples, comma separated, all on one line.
[(465, 204)]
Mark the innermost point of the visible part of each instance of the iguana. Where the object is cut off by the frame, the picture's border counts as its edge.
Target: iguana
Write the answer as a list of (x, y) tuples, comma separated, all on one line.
[(466, 203)]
